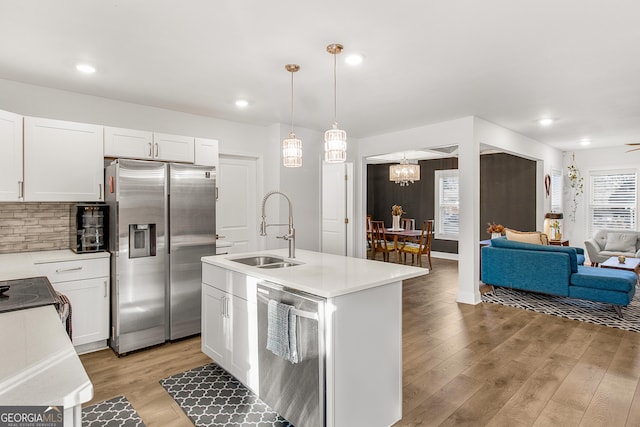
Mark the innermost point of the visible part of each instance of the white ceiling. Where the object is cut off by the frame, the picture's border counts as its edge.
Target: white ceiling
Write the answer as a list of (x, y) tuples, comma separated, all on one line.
[(509, 62)]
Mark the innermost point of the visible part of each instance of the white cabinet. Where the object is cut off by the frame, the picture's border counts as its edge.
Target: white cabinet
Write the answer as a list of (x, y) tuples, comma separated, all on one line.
[(10, 157), (214, 323), (206, 152), (63, 161), (86, 283), (229, 323), (173, 148), (143, 145), (129, 143)]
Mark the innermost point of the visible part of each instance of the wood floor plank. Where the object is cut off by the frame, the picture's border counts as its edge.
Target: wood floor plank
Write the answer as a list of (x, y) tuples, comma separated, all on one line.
[(526, 404)]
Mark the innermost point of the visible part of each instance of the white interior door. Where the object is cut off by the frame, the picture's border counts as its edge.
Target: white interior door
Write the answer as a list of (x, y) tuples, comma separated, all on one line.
[(337, 204), (237, 207)]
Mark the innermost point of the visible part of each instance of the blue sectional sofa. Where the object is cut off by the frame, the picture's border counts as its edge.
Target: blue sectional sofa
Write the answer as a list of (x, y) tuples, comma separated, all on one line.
[(555, 270)]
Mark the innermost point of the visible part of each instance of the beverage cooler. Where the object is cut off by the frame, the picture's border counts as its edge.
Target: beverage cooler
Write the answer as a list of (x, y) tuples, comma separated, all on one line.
[(89, 227)]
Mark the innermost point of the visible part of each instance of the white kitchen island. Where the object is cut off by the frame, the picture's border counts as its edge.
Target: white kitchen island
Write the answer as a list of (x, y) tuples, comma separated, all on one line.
[(362, 328)]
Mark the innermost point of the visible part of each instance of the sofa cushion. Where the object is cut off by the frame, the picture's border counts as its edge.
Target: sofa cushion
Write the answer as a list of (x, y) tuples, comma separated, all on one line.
[(533, 237), (502, 242), (604, 278), (621, 242)]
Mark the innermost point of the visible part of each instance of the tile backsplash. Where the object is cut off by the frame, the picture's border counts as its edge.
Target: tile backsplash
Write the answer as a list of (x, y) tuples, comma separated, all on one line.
[(31, 226)]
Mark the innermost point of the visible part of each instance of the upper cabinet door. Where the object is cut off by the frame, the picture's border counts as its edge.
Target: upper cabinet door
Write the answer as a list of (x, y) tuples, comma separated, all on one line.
[(63, 161), (206, 152), (173, 148), (129, 143), (10, 157)]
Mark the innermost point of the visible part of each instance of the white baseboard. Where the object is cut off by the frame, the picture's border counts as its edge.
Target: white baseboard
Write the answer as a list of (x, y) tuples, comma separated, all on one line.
[(444, 255)]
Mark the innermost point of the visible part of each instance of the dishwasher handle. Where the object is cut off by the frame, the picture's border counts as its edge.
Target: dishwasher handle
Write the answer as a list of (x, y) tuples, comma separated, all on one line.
[(295, 311)]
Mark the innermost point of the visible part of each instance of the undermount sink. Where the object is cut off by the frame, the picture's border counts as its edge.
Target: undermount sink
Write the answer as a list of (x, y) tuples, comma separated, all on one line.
[(280, 265), (265, 261)]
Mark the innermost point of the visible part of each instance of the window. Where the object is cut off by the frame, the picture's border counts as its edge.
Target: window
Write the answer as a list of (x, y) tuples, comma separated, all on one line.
[(447, 218), (612, 201), (556, 190)]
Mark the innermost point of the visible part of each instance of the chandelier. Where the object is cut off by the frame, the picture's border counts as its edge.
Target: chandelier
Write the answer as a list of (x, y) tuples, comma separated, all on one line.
[(292, 146), (404, 173), (335, 140)]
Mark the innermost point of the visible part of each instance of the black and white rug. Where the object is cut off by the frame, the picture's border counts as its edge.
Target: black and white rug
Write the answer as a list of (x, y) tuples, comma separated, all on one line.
[(116, 412), (210, 396), (576, 309)]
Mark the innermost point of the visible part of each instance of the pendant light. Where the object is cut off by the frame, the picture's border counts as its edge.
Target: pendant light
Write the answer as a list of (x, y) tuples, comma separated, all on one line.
[(292, 146), (404, 173), (335, 140)]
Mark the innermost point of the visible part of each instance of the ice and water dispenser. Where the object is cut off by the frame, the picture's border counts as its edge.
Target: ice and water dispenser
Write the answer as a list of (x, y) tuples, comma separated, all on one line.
[(142, 240)]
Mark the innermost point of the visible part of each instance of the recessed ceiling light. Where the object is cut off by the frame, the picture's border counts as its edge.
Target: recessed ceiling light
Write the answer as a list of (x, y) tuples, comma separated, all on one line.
[(585, 141), (354, 59), (545, 121), (241, 103), (86, 68)]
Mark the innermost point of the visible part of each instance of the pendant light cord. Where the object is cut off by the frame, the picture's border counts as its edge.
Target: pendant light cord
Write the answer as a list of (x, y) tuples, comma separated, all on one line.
[(291, 102), (335, 92)]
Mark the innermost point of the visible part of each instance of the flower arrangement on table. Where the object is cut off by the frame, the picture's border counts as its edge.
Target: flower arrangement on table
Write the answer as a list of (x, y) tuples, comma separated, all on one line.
[(495, 228), (396, 210), (555, 234)]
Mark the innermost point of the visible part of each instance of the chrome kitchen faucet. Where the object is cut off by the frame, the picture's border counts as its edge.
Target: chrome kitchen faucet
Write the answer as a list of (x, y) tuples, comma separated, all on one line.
[(291, 235)]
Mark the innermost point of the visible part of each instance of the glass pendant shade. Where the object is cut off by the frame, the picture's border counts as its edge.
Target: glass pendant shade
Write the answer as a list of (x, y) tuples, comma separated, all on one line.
[(335, 145), (292, 146), (404, 173), (335, 140), (292, 151)]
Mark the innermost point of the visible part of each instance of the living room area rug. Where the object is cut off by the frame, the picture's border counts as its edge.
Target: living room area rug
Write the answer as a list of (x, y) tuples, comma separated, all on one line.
[(569, 308), (116, 412), (210, 396)]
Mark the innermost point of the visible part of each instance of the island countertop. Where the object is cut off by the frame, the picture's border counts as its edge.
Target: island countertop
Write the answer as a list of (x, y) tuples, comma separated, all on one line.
[(321, 274)]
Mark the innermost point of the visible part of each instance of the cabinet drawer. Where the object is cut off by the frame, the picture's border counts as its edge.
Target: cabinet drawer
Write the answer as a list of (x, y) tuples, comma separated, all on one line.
[(65, 271), (214, 276)]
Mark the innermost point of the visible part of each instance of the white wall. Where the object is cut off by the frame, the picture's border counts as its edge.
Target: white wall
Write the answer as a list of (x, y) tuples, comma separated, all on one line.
[(234, 139), (301, 185), (613, 158)]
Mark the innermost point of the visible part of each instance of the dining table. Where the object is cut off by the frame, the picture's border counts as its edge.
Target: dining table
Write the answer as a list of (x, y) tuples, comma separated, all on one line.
[(401, 232)]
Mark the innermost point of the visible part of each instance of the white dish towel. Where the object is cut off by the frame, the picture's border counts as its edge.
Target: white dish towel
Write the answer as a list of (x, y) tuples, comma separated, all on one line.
[(281, 331)]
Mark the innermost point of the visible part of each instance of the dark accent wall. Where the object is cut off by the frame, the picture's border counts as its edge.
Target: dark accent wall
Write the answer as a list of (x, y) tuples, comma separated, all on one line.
[(507, 194)]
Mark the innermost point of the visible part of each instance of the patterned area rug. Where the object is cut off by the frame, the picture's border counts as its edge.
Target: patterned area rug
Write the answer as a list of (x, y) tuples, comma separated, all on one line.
[(116, 412), (210, 396), (576, 309)]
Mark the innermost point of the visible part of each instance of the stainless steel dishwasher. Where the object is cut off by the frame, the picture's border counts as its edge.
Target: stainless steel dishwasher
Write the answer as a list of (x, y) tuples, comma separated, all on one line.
[(295, 390)]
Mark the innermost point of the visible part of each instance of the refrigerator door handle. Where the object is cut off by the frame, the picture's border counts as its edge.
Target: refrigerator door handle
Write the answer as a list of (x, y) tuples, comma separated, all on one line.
[(150, 148)]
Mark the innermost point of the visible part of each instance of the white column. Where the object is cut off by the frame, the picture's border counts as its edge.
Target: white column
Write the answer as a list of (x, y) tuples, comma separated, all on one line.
[(468, 241)]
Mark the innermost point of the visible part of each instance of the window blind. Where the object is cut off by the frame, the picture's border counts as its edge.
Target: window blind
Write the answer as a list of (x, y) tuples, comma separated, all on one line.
[(447, 204), (556, 191), (613, 201)]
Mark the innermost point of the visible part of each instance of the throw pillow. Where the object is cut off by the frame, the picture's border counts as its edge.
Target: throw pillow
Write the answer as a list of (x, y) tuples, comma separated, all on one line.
[(534, 237), (621, 242)]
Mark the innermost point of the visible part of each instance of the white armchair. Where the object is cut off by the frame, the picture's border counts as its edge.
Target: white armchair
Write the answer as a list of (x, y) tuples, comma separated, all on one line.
[(607, 243)]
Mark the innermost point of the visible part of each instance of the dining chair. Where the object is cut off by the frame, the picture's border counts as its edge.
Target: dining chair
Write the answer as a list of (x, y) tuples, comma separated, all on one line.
[(380, 242), (368, 231), (420, 246), (408, 223)]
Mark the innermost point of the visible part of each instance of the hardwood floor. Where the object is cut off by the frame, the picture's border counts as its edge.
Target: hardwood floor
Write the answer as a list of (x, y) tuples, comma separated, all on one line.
[(462, 365), (137, 376)]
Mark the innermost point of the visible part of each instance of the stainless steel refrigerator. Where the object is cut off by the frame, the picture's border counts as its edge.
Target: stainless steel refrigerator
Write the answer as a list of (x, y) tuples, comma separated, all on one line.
[(162, 221)]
